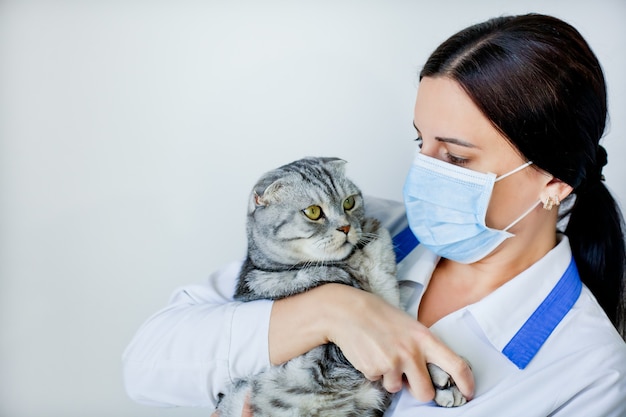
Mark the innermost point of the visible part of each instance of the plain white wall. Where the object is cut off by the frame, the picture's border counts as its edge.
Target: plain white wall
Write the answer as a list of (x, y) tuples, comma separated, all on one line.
[(131, 132)]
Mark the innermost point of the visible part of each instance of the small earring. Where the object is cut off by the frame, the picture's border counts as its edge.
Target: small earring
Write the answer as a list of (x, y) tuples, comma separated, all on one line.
[(547, 204), (551, 202)]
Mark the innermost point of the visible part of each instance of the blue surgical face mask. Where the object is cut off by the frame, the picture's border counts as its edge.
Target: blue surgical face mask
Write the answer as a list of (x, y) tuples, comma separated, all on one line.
[(446, 207)]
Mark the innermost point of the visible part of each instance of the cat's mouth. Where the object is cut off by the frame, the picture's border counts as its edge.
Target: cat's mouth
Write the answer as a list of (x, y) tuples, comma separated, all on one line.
[(339, 254), (344, 250), (336, 249)]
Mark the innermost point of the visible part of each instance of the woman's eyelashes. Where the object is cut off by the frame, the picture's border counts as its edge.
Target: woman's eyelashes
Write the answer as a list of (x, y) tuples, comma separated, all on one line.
[(456, 160), (447, 156)]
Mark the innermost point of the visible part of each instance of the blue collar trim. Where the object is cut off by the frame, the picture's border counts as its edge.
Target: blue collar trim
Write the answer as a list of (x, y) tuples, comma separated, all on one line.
[(532, 335), (523, 347), (403, 243)]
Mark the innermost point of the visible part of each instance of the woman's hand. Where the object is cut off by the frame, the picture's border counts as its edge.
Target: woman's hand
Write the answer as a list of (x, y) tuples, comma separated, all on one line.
[(246, 412), (384, 342), (378, 339)]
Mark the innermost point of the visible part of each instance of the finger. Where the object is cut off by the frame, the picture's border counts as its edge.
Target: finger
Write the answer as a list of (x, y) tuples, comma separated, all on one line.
[(458, 369), (215, 414), (392, 381), (247, 410), (418, 382), (372, 378)]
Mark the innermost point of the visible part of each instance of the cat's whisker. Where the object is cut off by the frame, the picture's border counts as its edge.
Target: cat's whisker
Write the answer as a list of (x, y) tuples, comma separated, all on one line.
[(367, 238)]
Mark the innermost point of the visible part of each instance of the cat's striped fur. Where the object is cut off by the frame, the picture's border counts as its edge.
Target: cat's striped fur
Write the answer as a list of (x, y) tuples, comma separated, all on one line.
[(291, 250)]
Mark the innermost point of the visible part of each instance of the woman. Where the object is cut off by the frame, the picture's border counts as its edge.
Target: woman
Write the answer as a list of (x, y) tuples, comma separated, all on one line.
[(509, 114)]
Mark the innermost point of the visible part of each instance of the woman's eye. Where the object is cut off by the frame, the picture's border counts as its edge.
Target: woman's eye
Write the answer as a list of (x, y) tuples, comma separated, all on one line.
[(419, 142), (313, 212), (456, 160), (348, 203)]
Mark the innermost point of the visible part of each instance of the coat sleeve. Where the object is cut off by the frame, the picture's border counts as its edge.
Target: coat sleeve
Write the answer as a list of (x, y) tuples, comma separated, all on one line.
[(192, 350)]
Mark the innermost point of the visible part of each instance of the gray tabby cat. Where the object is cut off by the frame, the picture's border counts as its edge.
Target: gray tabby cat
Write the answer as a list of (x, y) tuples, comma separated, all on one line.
[(306, 227)]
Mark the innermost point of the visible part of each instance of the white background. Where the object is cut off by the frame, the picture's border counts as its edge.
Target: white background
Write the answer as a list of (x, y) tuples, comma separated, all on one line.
[(132, 131)]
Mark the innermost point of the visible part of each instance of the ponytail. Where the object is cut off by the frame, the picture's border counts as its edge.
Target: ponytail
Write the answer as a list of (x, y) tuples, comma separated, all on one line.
[(596, 233)]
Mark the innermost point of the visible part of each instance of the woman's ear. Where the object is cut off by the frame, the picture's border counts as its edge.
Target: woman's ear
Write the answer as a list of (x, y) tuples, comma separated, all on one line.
[(554, 192)]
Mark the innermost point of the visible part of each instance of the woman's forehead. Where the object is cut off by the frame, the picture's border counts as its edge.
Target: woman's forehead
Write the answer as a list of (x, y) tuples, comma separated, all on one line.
[(444, 109)]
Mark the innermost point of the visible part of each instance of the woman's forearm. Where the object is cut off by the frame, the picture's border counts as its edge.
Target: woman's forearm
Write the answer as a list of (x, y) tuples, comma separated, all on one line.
[(299, 323)]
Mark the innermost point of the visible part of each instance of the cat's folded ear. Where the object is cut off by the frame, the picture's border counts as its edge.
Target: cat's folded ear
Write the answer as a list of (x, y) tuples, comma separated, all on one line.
[(336, 163), (264, 197)]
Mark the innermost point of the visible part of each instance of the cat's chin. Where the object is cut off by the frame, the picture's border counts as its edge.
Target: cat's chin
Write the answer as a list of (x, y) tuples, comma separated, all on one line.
[(336, 255), (341, 253)]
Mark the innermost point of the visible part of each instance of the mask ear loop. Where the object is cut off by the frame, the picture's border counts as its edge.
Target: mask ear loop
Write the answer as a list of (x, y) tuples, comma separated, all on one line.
[(522, 216), (519, 168)]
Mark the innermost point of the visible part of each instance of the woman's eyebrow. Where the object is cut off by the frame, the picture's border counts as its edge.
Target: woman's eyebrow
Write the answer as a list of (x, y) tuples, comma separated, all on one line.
[(453, 141), (456, 142)]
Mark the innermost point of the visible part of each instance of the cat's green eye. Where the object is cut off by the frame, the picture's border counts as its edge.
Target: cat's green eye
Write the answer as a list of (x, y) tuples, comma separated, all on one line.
[(348, 203), (313, 212)]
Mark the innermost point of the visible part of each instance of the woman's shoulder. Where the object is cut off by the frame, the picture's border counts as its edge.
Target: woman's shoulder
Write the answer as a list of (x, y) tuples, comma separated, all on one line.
[(586, 332)]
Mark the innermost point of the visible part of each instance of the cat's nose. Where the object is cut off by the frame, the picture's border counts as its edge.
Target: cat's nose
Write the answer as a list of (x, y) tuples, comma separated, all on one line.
[(344, 229)]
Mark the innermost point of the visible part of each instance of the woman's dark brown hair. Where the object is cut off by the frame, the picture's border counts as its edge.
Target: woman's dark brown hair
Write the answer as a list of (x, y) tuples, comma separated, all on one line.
[(539, 83)]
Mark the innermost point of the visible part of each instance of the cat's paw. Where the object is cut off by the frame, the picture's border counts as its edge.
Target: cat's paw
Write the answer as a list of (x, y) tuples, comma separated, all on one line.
[(446, 392), (370, 225)]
